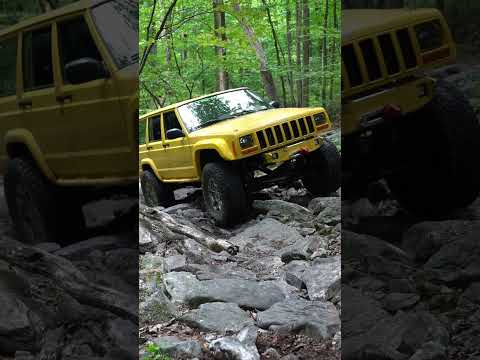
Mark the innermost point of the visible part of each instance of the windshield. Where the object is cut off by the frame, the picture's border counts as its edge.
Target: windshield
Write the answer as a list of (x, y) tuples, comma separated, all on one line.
[(214, 109), (117, 23)]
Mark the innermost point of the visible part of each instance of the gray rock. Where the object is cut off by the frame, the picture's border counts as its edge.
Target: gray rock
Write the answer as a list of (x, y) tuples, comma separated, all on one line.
[(241, 347), (423, 240), (323, 278), (330, 215), (186, 288), (268, 234), (430, 351), (219, 317), (16, 330), (174, 263), (316, 319), (175, 347), (398, 301), (48, 247), (156, 308), (289, 210), (319, 204)]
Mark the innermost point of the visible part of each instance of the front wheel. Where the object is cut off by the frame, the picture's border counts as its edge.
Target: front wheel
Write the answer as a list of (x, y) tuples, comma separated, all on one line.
[(442, 172), (223, 193), (323, 175)]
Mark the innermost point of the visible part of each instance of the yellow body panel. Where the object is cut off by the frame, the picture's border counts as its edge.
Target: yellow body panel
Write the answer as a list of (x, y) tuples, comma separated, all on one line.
[(179, 162), (400, 88), (88, 140)]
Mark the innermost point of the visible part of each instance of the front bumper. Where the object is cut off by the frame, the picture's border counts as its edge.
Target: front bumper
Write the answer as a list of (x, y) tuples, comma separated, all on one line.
[(288, 153)]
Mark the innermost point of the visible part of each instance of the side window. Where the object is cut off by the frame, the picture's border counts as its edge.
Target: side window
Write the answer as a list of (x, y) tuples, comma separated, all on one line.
[(37, 59), (141, 132), (76, 43), (8, 69), (155, 131), (170, 121)]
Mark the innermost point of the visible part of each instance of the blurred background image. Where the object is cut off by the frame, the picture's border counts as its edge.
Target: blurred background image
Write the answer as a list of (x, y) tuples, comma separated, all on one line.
[(410, 206), (69, 163)]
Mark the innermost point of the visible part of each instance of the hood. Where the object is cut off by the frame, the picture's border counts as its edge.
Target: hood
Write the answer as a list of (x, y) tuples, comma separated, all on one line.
[(252, 122), (365, 22)]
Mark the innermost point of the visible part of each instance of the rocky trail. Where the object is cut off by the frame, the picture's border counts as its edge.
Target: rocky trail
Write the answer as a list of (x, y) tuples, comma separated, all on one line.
[(266, 289), (72, 300)]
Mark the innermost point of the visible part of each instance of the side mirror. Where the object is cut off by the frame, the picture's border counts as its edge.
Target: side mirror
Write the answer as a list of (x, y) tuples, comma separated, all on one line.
[(174, 134), (274, 104), (84, 70)]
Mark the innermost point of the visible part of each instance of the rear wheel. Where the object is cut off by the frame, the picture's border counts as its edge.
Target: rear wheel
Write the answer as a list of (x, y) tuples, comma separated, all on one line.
[(323, 175), (155, 192), (224, 194), (35, 207), (440, 172)]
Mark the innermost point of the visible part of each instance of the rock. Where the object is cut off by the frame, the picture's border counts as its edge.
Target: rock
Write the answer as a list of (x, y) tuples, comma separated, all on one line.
[(456, 262), (177, 348), (186, 288), (316, 319), (241, 347), (81, 249), (424, 239), (291, 255), (288, 210), (398, 301), (219, 317), (174, 263), (294, 273), (268, 234), (16, 330), (430, 351), (271, 354), (319, 204), (156, 308), (175, 208), (48, 247), (323, 278)]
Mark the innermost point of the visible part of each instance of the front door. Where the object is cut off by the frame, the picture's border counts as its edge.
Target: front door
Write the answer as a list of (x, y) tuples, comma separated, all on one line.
[(155, 148), (90, 107), (179, 163)]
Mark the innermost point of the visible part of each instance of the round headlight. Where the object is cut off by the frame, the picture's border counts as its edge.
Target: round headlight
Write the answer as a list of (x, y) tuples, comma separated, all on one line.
[(429, 35), (319, 119), (246, 141)]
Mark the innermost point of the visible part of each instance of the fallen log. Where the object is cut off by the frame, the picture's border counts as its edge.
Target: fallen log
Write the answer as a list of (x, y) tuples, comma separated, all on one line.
[(68, 278), (161, 219)]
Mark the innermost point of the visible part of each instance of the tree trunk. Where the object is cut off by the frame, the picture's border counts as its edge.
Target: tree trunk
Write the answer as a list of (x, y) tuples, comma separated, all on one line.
[(306, 54), (277, 50), (219, 28), (298, 40), (289, 51), (265, 73), (325, 52), (334, 51)]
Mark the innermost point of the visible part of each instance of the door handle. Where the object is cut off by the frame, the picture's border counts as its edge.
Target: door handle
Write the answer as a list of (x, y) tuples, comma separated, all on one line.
[(25, 104), (166, 145), (64, 98), (149, 147)]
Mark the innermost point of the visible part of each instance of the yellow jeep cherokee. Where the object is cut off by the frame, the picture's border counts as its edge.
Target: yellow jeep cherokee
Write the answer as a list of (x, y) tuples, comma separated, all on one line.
[(399, 121), (68, 112), (234, 143)]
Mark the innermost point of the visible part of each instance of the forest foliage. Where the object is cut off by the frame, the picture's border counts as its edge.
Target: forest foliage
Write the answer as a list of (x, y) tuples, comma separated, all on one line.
[(285, 50)]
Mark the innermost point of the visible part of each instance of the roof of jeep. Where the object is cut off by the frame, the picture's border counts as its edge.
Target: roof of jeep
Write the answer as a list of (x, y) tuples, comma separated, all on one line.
[(173, 106), (64, 10), (357, 23)]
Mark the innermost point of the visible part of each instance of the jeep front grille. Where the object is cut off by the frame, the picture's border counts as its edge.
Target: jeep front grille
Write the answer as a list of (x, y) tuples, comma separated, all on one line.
[(394, 49), (288, 131)]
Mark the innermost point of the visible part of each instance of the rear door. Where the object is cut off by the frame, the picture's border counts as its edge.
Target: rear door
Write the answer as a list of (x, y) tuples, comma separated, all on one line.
[(10, 115), (41, 113), (155, 148)]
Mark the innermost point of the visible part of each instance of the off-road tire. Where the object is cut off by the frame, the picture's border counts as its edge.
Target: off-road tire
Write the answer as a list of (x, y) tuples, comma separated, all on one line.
[(155, 192), (324, 170), (441, 173), (31, 202), (224, 195)]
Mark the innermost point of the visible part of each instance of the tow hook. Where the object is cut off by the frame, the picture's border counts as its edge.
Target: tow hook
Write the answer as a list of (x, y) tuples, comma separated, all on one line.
[(299, 159)]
